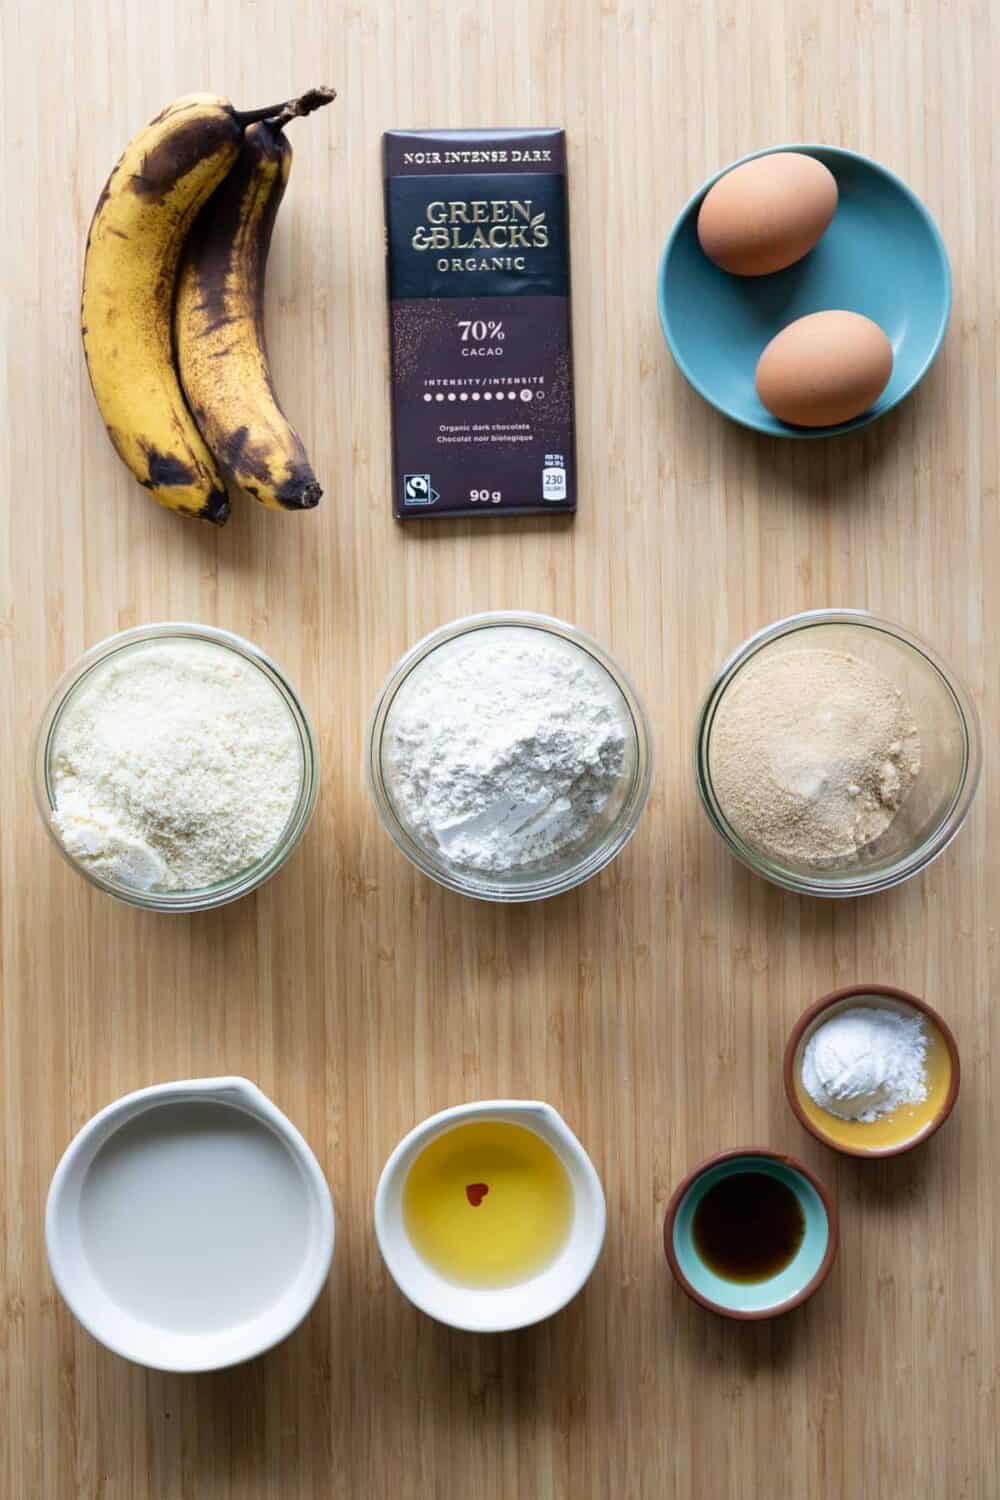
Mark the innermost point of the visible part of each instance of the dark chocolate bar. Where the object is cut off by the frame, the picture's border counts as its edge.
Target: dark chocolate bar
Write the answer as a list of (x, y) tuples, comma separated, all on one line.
[(477, 237)]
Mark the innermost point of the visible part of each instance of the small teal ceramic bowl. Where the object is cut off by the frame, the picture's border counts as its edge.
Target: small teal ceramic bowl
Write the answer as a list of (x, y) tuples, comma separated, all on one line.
[(746, 1300), (882, 256)]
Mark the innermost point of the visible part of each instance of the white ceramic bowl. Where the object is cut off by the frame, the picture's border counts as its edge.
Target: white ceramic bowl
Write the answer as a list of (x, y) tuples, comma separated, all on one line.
[(493, 1309), (210, 1288)]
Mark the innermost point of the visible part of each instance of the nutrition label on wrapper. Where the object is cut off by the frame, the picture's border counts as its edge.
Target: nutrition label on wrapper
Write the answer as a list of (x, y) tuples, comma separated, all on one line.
[(479, 323)]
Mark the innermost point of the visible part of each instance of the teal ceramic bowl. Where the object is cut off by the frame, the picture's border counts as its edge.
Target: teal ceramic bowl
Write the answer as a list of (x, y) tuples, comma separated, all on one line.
[(757, 1299), (882, 256)]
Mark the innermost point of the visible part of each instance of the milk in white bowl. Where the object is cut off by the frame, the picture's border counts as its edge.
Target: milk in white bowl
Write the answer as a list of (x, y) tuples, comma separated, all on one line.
[(189, 1225)]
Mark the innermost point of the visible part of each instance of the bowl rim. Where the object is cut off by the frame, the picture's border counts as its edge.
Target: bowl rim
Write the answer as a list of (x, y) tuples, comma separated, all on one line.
[(203, 898), (807, 148), (543, 1120), (753, 1315), (227, 1091), (931, 848), (860, 991), (542, 887)]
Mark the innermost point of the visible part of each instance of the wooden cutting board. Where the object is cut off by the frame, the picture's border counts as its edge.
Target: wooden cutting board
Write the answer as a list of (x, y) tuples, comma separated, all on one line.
[(650, 1007)]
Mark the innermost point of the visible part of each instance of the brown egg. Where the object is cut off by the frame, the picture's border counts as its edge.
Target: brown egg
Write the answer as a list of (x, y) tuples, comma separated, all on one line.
[(824, 369), (766, 214)]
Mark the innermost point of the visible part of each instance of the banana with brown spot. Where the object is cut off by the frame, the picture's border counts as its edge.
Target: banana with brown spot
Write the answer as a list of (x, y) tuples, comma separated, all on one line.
[(219, 331), (142, 217)]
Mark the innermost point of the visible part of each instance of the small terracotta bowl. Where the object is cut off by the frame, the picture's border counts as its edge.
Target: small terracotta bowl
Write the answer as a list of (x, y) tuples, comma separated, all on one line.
[(792, 1285), (887, 1137)]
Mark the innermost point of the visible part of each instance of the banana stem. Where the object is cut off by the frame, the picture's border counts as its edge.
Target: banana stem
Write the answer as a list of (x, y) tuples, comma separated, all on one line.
[(291, 109)]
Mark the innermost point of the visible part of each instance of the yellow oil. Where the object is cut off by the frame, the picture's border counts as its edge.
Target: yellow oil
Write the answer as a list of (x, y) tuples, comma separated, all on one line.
[(498, 1237)]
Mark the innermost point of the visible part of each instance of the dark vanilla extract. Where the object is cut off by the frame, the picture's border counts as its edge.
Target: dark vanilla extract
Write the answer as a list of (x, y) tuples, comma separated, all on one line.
[(748, 1226)]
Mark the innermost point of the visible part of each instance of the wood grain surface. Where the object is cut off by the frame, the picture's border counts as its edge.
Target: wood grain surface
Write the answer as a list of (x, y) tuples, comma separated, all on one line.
[(652, 1006)]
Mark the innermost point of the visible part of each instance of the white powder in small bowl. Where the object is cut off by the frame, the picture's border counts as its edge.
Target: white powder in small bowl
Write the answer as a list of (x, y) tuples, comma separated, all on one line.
[(506, 749), (175, 765), (866, 1061)]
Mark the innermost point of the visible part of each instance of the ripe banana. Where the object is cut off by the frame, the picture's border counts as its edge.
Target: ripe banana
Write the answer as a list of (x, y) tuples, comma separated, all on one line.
[(164, 176), (219, 329)]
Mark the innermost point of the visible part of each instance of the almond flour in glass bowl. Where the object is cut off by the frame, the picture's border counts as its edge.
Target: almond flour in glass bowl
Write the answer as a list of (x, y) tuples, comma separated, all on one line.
[(255, 852), (909, 811)]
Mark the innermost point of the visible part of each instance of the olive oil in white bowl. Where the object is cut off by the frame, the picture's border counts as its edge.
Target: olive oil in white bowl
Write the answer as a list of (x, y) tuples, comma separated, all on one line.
[(488, 1204), (490, 1216)]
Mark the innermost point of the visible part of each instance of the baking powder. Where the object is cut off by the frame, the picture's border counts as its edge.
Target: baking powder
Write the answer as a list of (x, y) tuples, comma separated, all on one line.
[(865, 1062)]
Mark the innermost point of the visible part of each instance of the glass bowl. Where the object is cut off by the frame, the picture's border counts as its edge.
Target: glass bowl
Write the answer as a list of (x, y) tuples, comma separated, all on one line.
[(234, 886), (938, 803), (610, 832)]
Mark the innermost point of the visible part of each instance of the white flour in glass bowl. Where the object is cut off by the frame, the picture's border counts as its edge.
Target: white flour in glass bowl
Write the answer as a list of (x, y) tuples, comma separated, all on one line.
[(505, 748)]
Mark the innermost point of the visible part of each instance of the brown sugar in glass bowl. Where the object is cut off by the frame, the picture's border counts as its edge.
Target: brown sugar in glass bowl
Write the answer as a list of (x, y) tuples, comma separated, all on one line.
[(946, 728)]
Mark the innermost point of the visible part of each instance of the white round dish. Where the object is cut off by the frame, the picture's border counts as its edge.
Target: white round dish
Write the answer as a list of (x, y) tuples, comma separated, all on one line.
[(493, 1309), (189, 1226)]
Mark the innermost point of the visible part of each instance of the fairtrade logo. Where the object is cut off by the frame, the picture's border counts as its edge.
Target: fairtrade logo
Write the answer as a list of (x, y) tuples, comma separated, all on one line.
[(418, 490)]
